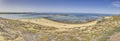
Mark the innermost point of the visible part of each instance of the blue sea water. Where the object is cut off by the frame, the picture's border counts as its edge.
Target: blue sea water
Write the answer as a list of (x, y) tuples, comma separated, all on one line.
[(58, 17)]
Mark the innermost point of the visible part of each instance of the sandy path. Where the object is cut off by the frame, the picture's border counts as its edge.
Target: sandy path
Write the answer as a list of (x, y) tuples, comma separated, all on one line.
[(46, 22), (115, 37)]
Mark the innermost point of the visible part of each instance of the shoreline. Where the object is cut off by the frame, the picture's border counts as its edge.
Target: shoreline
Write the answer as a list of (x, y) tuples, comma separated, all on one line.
[(47, 22)]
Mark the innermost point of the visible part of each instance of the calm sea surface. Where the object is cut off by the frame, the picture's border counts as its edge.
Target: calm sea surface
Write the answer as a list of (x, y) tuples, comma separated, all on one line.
[(59, 17)]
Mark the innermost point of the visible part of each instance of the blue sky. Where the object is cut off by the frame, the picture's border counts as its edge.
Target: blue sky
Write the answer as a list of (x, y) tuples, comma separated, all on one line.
[(63, 6)]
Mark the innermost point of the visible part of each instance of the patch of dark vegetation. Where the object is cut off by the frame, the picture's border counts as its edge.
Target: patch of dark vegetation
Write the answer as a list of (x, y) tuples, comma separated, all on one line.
[(103, 39), (116, 18), (107, 34)]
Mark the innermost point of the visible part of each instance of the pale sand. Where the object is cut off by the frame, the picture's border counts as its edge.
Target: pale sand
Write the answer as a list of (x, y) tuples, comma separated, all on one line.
[(46, 22), (115, 37)]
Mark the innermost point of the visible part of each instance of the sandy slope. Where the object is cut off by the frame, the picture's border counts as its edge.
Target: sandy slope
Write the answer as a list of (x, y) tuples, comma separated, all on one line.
[(46, 22), (115, 37)]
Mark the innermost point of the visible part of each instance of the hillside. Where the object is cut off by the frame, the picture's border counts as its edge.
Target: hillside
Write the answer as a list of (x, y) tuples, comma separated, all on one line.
[(14, 30), (47, 30)]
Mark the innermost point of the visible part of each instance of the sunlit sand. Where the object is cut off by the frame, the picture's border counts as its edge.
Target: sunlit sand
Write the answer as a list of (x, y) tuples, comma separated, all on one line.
[(47, 22)]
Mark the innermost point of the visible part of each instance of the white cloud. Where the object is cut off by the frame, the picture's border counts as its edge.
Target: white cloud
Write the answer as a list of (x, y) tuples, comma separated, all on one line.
[(116, 4)]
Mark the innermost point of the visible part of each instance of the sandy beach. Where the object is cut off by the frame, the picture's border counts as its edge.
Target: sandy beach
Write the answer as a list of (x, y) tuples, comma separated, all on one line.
[(47, 22)]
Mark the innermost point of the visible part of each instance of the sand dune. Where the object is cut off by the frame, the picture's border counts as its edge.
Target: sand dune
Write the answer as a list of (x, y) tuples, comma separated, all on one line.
[(47, 22)]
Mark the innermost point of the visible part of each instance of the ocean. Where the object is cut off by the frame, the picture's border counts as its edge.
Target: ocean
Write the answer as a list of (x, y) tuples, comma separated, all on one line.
[(76, 17)]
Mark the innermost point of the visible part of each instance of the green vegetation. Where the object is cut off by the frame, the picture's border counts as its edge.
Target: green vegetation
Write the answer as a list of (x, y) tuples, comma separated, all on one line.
[(103, 39), (73, 39), (116, 18), (85, 38)]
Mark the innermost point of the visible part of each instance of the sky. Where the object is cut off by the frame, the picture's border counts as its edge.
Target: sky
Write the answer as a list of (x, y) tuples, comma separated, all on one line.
[(61, 6)]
